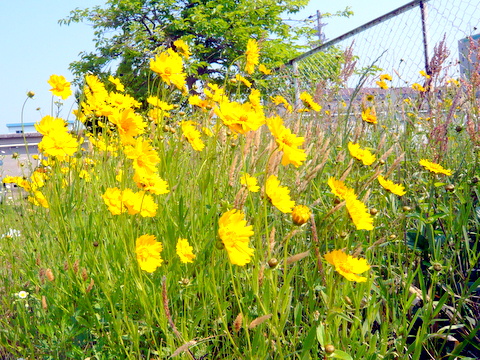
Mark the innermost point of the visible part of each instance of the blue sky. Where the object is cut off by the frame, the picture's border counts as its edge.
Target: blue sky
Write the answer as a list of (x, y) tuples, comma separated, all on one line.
[(34, 46)]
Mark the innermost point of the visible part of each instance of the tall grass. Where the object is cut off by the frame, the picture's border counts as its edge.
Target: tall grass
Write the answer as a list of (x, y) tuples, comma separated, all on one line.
[(89, 298)]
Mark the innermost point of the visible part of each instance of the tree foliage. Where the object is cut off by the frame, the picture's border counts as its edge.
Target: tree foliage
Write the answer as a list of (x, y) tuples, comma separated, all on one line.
[(128, 32)]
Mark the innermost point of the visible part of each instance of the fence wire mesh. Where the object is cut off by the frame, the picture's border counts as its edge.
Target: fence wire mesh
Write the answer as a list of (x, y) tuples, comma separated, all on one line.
[(399, 43)]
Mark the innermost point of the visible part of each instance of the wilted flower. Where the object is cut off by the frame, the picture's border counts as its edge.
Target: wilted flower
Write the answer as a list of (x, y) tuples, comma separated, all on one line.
[(148, 253), (235, 235), (347, 265), (433, 167), (185, 251)]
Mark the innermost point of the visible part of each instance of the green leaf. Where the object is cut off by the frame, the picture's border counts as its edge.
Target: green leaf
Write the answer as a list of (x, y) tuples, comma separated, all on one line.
[(339, 354), (417, 241)]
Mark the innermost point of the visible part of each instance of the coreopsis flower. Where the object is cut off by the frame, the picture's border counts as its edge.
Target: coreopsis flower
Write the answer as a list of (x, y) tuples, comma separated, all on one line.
[(385, 77), (280, 100), (369, 115), (242, 79), (50, 124), (169, 66), (364, 155), (139, 203), (162, 105), (59, 144), (279, 195), (433, 167), (252, 55), (185, 251), (358, 212), (122, 101), (182, 48), (118, 85), (418, 87), (145, 158), (347, 265), (254, 99), (287, 142), (192, 135), (94, 86), (129, 125), (308, 102), (263, 69), (235, 235), (60, 86), (214, 92), (148, 253), (240, 118), (196, 100), (424, 74), (249, 182), (38, 199), (382, 84), (389, 185), (152, 183), (301, 214), (113, 199)]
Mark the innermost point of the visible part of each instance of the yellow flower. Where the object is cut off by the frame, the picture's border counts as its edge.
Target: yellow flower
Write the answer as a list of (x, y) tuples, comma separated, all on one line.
[(129, 125), (382, 84), (144, 156), (364, 155), (279, 195), (118, 85), (263, 69), (358, 213), (385, 77), (301, 214), (38, 199), (196, 100), (280, 100), (396, 189), (113, 199), (287, 142), (213, 92), (309, 103), (50, 124), (58, 144), (148, 253), (369, 115), (424, 74), (169, 66), (250, 182), (339, 189), (192, 135), (152, 183), (60, 86), (418, 87), (235, 235), (240, 118), (182, 48), (239, 77), (252, 55), (185, 251), (433, 167), (139, 203), (347, 265)]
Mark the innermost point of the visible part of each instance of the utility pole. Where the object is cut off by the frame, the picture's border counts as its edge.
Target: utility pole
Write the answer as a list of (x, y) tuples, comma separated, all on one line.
[(320, 25)]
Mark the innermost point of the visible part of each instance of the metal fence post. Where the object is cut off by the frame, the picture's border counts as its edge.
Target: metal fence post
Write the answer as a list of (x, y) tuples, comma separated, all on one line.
[(423, 10)]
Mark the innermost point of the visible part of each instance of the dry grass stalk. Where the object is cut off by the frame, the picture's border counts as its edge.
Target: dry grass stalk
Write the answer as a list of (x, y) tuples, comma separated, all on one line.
[(314, 172), (313, 227), (271, 240), (261, 275), (237, 323), (395, 164), (240, 198), (183, 348), (294, 258), (259, 320), (90, 286), (232, 172), (347, 170)]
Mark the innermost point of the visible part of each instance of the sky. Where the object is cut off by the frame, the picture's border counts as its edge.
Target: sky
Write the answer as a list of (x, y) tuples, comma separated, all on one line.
[(34, 46)]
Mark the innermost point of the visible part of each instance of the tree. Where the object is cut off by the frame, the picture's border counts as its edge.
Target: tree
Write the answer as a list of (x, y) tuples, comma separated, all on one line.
[(127, 33)]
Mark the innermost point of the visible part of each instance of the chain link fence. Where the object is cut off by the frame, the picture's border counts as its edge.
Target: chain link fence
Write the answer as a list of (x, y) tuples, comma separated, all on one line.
[(400, 43)]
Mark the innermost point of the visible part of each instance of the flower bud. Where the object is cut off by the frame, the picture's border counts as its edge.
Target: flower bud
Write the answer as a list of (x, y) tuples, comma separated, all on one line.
[(450, 187), (373, 211), (30, 94), (272, 263), (329, 349), (301, 214), (407, 208)]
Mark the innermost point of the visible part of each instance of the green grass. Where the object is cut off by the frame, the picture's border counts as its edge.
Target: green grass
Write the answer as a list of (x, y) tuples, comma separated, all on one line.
[(420, 300)]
